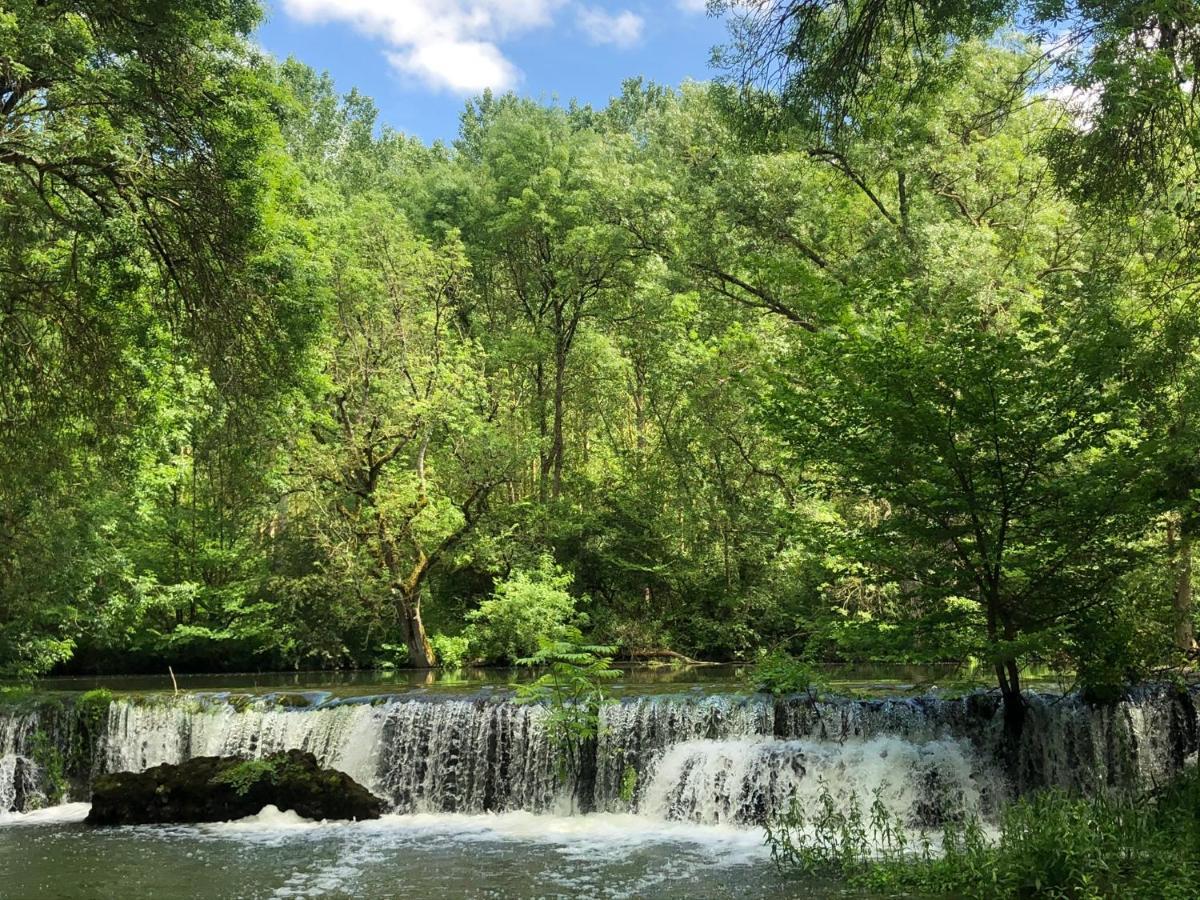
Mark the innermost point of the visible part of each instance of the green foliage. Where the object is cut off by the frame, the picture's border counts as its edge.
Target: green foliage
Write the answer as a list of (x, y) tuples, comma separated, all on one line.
[(888, 374), (52, 767), (452, 650), (527, 611), (391, 656), (1046, 845), (243, 776), (629, 783), (571, 687), (778, 672), (1127, 68)]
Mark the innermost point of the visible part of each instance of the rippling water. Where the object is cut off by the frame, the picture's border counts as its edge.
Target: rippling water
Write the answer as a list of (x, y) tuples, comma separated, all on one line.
[(277, 855)]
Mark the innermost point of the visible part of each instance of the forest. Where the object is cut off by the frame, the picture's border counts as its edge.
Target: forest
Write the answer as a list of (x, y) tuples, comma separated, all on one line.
[(883, 345)]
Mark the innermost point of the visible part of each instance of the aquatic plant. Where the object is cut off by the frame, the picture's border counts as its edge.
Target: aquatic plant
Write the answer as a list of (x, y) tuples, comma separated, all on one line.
[(1049, 844), (572, 688)]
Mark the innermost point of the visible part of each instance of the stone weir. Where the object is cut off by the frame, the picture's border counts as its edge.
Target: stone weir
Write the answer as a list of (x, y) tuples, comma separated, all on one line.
[(709, 759)]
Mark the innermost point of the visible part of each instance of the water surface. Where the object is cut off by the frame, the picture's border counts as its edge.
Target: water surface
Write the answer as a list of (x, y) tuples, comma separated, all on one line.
[(868, 680), (276, 855)]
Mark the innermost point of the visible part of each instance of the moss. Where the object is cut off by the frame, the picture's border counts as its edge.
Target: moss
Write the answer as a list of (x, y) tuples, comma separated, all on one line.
[(629, 781), (90, 713), (91, 709), (293, 701), (51, 765), (15, 694), (245, 775), (240, 702), (212, 789)]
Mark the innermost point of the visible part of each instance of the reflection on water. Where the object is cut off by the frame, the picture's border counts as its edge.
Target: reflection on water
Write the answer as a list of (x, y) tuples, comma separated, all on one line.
[(638, 678)]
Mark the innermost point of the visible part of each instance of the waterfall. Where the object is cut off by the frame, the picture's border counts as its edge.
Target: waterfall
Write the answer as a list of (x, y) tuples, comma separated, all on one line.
[(144, 734), (423, 756), (740, 781), (715, 760), (19, 776)]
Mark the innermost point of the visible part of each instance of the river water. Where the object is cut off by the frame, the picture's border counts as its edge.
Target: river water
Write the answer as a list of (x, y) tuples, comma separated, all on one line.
[(479, 809), (506, 855)]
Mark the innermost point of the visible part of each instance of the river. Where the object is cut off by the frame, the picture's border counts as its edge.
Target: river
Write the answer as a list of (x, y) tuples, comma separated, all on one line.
[(670, 804)]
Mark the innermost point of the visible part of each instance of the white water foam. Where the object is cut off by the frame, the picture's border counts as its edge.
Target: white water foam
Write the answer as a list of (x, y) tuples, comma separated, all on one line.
[(745, 780), (610, 834), (63, 814), (269, 818)]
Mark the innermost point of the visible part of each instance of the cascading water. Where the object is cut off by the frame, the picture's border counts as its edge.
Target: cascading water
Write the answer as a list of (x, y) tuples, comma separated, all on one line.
[(20, 779), (741, 782), (708, 760)]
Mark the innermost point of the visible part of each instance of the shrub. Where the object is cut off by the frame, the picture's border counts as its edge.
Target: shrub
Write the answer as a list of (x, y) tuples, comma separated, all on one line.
[(1049, 844), (524, 612), (451, 650), (780, 673)]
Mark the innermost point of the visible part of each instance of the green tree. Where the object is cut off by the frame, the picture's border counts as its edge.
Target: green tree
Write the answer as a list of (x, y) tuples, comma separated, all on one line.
[(547, 247), (401, 456), (142, 202), (1131, 64), (526, 610)]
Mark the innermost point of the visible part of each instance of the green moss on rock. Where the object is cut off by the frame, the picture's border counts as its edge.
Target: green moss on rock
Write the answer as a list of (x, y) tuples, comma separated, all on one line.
[(214, 789)]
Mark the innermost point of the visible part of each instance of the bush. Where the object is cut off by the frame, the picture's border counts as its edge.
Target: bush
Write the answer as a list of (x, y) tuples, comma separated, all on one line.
[(451, 650), (780, 673), (529, 609)]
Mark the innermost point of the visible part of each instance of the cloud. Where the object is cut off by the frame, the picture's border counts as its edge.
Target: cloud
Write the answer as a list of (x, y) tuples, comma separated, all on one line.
[(624, 29), (692, 6), (464, 67), (449, 45), (1081, 103)]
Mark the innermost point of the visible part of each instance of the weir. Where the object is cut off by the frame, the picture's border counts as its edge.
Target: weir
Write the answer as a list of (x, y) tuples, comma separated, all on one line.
[(724, 759)]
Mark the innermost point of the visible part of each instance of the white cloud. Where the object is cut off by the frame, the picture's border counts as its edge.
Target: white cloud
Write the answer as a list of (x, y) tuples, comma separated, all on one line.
[(1080, 103), (624, 29), (465, 67), (448, 44), (692, 6)]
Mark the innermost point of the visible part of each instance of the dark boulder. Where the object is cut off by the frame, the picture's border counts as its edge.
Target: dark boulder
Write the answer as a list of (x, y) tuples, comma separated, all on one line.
[(215, 789)]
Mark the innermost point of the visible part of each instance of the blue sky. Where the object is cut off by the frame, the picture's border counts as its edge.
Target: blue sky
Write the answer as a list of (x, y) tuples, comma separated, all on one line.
[(421, 59)]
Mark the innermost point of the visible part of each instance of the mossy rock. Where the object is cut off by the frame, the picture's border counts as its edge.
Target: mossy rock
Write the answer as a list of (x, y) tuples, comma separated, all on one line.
[(216, 789), (293, 701)]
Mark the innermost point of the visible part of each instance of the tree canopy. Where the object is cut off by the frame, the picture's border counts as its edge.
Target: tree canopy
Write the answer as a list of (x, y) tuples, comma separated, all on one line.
[(850, 355)]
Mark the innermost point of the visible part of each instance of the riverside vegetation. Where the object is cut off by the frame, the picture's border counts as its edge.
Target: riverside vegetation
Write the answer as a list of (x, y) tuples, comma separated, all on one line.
[(882, 346), (1051, 844)]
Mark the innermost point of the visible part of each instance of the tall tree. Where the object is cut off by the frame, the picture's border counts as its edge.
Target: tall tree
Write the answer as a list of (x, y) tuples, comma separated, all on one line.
[(403, 454), (139, 177), (1131, 64), (548, 247)]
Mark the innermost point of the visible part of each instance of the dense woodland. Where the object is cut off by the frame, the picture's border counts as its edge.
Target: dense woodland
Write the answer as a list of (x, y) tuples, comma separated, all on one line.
[(882, 346)]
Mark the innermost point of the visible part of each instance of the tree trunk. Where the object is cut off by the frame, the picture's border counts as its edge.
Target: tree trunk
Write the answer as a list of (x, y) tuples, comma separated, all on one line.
[(639, 407), (1008, 677), (544, 455), (1185, 636), (560, 389), (420, 651)]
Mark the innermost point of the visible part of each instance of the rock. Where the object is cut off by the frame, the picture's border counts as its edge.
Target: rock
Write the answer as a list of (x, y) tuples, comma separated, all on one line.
[(215, 789)]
